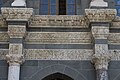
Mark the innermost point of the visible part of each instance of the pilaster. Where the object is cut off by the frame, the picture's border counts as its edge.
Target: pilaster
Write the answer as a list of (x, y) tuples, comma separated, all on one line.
[(17, 20), (100, 20)]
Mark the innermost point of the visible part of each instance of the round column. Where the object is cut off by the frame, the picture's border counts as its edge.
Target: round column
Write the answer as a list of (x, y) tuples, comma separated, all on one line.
[(14, 71), (14, 61)]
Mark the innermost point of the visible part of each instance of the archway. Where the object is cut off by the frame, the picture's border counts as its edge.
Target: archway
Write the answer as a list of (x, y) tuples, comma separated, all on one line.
[(57, 76)]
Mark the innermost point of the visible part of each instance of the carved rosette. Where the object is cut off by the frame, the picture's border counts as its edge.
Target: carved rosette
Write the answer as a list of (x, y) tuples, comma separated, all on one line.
[(15, 59), (101, 61), (100, 15)]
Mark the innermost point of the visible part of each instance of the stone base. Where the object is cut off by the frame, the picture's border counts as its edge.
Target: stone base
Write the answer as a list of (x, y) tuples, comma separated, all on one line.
[(98, 4)]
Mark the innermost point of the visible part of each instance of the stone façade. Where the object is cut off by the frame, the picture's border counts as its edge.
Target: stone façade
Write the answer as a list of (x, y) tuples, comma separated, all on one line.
[(64, 44)]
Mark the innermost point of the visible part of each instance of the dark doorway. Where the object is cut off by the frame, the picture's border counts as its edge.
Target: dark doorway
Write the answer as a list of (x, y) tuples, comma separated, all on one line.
[(57, 76), (62, 7)]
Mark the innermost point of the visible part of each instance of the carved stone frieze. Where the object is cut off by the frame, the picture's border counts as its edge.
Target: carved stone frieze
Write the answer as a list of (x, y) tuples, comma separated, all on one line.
[(58, 37), (4, 37), (58, 54), (15, 59), (15, 49), (114, 38), (100, 32), (2, 22), (17, 13), (36, 54), (16, 31), (62, 20), (100, 15)]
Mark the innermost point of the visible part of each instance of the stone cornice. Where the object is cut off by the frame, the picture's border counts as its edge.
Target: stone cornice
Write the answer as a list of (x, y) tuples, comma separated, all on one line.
[(100, 15), (17, 14), (59, 20)]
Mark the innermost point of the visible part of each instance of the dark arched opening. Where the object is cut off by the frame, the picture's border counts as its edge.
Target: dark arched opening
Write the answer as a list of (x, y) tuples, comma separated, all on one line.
[(57, 76)]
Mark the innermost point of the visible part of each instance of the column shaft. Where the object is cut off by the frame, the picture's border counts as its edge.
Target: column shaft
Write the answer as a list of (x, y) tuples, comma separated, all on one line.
[(102, 74), (14, 72)]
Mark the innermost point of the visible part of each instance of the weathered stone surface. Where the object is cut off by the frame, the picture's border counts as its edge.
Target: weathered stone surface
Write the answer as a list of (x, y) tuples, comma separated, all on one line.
[(115, 54), (2, 22), (100, 15), (14, 59), (58, 37), (100, 32), (114, 38), (101, 61), (4, 37), (101, 49), (15, 49), (62, 20), (16, 31), (58, 54), (17, 13), (3, 53)]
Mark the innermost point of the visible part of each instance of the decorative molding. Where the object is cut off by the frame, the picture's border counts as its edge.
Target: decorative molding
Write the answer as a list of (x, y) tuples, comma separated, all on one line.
[(58, 37), (100, 32), (100, 15), (17, 14), (67, 21), (58, 54), (16, 31)]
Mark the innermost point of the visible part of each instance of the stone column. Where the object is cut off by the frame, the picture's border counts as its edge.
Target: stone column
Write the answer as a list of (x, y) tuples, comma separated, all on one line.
[(98, 3), (101, 57), (14, 66), (100, 20), (19, 3), (17, 19)]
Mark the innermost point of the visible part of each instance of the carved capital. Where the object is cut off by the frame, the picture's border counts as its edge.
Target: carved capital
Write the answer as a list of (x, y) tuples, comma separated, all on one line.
[(15, 59), (101, 61), (100, 15)]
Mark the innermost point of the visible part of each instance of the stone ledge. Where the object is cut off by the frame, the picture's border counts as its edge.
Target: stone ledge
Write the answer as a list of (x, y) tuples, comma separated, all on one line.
[(100, 15), (17, 13)]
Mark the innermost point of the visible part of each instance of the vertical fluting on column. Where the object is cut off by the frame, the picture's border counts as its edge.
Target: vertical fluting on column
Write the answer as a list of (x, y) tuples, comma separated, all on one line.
[(16, 30), (100, 20)]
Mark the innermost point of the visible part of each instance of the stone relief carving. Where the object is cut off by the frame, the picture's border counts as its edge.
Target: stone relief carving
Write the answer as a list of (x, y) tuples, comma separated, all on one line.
[(15, 59), (64, 20), (100, 15), (58, 37), (17, 13), (16, 31), (58, 54), (100, 32)]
